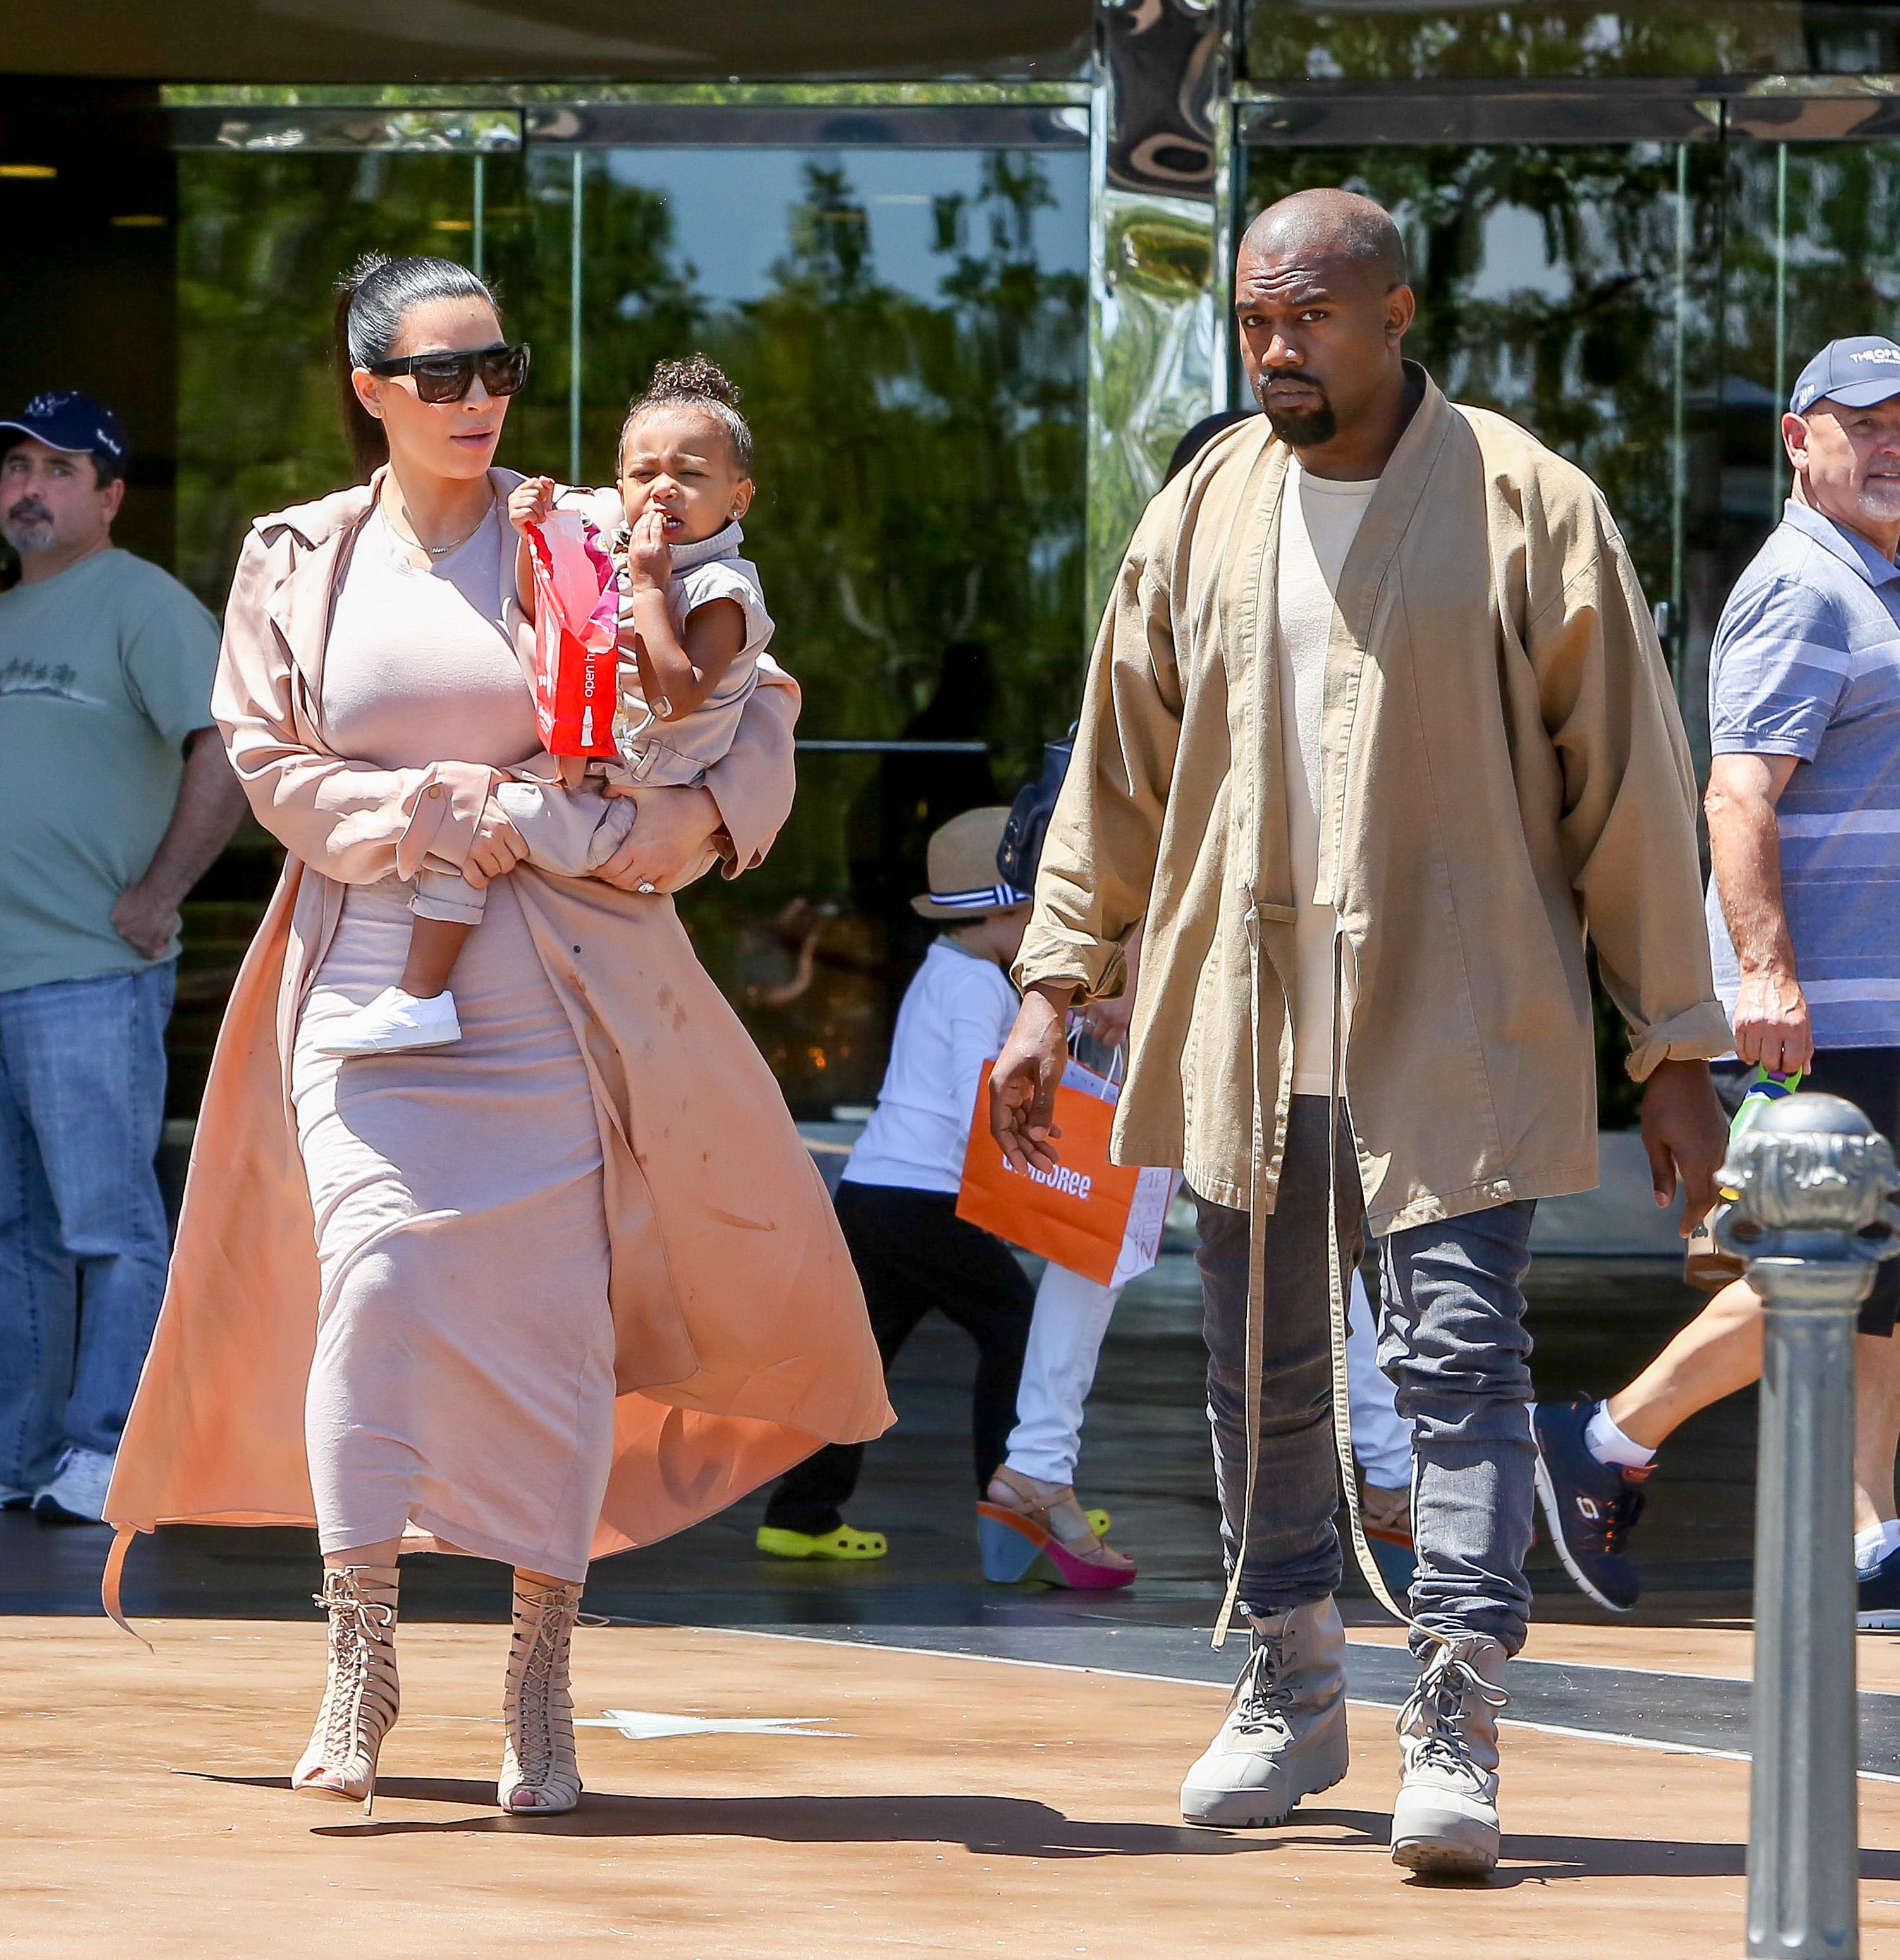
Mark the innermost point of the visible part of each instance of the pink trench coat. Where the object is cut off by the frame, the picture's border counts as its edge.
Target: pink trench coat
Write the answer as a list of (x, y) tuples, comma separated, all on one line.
[(741, 1342)]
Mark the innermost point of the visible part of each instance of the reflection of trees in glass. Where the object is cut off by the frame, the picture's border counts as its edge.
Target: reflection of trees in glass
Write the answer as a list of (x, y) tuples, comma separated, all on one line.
[(1580, 349), (1842, 255), (261, 241), (920, 466), (920, 459), (1430, 38)]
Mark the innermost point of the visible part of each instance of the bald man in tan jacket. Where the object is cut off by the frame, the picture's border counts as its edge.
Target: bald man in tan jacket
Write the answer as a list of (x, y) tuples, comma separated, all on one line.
[(1377, 733)]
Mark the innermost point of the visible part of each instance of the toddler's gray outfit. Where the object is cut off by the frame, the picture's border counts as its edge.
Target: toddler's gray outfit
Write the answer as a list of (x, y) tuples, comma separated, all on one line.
[(572, 832)]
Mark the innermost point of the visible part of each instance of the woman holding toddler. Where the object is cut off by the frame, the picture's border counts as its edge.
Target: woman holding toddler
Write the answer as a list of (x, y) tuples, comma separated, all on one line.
[(571, 1283)]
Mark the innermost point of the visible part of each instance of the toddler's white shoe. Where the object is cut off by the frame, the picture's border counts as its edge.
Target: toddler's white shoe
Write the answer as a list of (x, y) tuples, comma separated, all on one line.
[(392, 1021)]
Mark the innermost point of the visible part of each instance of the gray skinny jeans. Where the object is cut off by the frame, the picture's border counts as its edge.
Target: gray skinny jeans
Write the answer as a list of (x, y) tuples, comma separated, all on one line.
[(1452, 1339)]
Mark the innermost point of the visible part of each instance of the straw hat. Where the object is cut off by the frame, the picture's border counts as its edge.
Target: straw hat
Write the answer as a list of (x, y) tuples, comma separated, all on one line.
[(964, 881)]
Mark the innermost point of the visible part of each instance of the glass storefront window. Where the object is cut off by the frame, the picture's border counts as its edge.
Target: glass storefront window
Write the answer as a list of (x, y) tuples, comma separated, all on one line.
[(907, 326), (907, 323), (261, 241), (1575, 288), (903, 296), (1429, 39), (1813, 254)]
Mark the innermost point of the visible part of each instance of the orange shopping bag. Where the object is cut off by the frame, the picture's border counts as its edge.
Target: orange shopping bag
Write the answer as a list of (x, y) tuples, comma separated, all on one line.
[(1076, 1215)]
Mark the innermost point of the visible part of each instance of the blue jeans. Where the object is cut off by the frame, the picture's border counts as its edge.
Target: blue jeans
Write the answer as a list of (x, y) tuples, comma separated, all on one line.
[(83, 1245), (1452, 1340)]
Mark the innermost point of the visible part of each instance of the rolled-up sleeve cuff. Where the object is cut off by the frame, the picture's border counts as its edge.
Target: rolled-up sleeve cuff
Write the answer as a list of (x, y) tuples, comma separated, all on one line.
[(443, 808), (1700, 1034), (1051, 958)]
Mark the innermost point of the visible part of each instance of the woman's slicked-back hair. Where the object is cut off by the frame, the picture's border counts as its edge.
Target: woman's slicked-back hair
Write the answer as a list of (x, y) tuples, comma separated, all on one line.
[(372, 302), (697, 382)]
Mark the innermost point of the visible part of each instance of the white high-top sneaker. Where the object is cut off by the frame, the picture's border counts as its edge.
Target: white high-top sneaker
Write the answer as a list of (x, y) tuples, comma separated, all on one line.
[(1284, 1736), (1445, 1819), (393, 1022)]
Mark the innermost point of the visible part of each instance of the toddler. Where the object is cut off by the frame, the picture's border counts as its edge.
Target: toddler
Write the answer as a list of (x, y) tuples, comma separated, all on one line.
[(693, 624)]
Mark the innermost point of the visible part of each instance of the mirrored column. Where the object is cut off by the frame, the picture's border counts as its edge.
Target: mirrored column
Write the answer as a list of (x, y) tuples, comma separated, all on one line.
[(1161, 245)]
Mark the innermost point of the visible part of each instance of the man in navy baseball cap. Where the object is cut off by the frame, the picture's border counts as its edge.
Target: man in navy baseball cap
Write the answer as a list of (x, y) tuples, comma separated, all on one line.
[(65, 419), (115, 797), (1856, 373)]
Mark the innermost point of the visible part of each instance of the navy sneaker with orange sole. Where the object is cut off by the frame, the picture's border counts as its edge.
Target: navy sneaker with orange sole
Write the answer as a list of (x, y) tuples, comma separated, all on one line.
[(1591, 1507)]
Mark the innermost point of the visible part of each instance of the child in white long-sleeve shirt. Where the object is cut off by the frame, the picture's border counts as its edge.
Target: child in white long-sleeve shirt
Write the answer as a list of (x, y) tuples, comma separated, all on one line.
[(897, 1198)]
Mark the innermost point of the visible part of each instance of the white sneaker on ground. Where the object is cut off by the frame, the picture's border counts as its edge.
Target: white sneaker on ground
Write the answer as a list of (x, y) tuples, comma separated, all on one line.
[(12, 1498), (1445, 1820), (1284, 1736), (393, 1022), (77, 1494)]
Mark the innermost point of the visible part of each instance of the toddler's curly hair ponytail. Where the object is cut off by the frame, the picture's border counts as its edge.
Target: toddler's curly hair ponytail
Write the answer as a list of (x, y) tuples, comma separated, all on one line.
[(698, 382)]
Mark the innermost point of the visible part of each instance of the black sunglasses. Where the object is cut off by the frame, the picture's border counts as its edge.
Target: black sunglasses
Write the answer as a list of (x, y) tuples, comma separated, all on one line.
[(447, 377)]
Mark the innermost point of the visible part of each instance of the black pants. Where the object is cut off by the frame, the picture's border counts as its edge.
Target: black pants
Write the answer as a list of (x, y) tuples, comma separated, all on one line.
[(912, 1253)]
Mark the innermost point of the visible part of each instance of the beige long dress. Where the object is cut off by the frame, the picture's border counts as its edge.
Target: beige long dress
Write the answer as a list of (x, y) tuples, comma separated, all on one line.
[(463, 1379)]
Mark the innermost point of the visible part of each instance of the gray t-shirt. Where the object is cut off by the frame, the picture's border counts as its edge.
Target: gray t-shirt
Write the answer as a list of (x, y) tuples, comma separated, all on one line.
[(104, 670)]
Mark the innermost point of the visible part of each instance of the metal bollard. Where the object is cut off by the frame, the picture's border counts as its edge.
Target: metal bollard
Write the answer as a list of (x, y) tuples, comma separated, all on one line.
[(1809, 1187)]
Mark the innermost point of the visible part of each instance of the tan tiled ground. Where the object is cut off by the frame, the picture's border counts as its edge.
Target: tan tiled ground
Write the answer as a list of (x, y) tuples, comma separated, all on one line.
[(944, 1807)]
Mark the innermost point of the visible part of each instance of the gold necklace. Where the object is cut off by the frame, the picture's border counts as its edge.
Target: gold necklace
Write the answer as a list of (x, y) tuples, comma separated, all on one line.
[(442, 551)]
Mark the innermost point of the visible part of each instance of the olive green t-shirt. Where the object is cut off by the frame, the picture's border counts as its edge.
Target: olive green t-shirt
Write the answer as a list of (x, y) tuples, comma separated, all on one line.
[(105, 668)]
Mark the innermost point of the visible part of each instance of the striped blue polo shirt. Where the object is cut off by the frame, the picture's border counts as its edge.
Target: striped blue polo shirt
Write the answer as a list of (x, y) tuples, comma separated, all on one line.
[(1806, 663)]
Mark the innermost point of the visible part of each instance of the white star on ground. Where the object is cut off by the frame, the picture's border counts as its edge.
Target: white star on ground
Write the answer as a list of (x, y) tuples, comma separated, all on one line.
[(638, 1726)]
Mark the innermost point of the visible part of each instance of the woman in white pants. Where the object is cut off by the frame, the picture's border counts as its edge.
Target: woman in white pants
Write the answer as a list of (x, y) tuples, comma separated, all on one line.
[(1072, 1316)]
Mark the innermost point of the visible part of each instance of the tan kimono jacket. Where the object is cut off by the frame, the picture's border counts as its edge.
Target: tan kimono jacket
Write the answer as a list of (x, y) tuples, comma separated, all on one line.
[(1504, 770), (742, 1342)]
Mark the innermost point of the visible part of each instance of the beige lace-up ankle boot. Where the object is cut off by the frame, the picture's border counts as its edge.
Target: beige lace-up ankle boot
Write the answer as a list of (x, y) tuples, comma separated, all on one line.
[(1284, 1736), (360, 1695), (1445, 1820), (539, 1777)]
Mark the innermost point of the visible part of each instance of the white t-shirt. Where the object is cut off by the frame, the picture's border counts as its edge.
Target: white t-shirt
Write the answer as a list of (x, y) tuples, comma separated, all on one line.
[(1318, 520), (956, 1016)]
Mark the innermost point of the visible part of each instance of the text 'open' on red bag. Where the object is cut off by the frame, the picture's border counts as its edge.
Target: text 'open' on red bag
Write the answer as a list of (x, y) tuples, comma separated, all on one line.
[(576, 602)]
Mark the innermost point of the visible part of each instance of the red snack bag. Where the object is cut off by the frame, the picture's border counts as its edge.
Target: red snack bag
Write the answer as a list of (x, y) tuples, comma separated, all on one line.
[(576, 607)]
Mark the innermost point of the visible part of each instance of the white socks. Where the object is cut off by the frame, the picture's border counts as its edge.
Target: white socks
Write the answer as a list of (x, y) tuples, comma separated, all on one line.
[(1875, 1543), (1608, 1445)]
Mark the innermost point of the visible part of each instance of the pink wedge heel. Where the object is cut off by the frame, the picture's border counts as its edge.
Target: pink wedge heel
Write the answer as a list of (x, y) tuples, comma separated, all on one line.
[(1018, 1541)]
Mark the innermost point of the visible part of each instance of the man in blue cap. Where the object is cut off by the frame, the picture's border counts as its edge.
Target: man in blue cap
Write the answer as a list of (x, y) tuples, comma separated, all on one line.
[(115, 797), (1803, 807)]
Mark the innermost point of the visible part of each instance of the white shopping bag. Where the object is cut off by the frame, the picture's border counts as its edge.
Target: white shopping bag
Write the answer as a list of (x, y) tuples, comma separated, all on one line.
[(1153, 1189)]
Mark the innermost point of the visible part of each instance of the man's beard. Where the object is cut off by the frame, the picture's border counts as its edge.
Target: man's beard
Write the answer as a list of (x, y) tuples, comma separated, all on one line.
[(1303, 429), (28, 525)]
